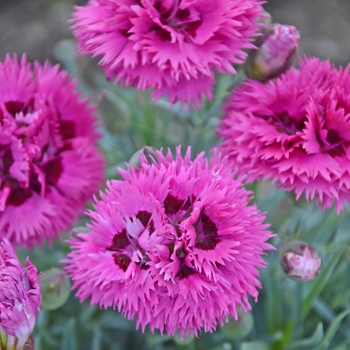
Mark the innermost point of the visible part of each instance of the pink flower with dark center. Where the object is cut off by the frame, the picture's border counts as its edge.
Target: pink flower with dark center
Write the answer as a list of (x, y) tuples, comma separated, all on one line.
[(20, 298), (295, 131), (172, 46), (174, 243), (49, 162)]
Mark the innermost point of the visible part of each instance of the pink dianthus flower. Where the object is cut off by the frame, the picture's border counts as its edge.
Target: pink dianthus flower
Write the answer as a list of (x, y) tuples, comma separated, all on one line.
[(174, 243), (294, 130), (49, 162), (20, 298), (171, 46)]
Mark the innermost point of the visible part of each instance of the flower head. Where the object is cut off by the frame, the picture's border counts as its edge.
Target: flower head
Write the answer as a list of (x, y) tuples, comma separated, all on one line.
[(295, 131), (171, 46), (19, 298), (49, 162), (300, 261), (174, 243), (277, 48)]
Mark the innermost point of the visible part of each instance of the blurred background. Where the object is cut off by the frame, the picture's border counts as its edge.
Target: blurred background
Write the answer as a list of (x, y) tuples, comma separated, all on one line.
[(35, 26)]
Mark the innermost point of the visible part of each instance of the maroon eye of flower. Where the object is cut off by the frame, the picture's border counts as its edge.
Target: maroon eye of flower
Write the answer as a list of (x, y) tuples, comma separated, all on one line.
[(120, 241), (53, 169), (289, 125), (18, 195), (122, 260), (182, 14), (67, 129), (168, 19), (207, 233), (7, 161), (172, 204), (34, 183), (333, 136), (185, 271), (159, 7), (14, 107), (192, 27), (164, 35), (144, 217)]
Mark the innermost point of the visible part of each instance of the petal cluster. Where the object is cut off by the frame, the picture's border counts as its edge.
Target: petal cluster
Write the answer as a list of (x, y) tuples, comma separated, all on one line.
[(49, 162), (295, 131), (20, 298), (174, 243), (172, 46)]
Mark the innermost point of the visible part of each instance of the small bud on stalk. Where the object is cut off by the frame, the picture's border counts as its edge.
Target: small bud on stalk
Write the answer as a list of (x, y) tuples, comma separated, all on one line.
[(55, 289), (300, 261), (146, 151), (277, 48), (19, 299), (29, 345), (265, 19)]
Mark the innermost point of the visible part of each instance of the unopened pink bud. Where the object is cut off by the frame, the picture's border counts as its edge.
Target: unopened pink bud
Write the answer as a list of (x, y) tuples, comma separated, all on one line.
[(277, 48), (19, 299), (300, 261)]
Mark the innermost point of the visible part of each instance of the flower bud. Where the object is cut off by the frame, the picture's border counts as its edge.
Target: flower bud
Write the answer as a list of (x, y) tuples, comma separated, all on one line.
[(29, 345), (145, 151), (277, 48), (300, 261), (240, 328), (55, 289), (19, 299)]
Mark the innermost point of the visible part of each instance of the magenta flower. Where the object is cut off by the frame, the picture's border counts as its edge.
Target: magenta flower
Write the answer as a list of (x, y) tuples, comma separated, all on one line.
[(174, 243), (295, 131), (169, 45), (20, 298), (49, 163)]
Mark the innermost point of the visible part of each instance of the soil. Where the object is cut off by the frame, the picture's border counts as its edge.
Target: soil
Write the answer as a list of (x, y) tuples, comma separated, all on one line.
[(35, 26)]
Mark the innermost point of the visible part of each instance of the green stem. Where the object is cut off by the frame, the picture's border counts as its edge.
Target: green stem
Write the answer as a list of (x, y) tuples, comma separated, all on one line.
[(297, 307)]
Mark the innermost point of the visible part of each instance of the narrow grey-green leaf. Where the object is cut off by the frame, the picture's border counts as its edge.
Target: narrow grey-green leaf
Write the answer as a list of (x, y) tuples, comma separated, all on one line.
[(68, 340), (315, 339), (254, 345), (332, 329), (320, 282)]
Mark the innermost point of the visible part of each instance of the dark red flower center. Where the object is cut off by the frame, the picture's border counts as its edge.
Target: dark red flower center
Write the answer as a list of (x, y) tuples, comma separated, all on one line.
[(15, 107), (122, 260), (177, 19), (206, 229), (207, 233), (121, 241), (66, 129), (172, 204), (53, 170), (287, 124), (184, 270)]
